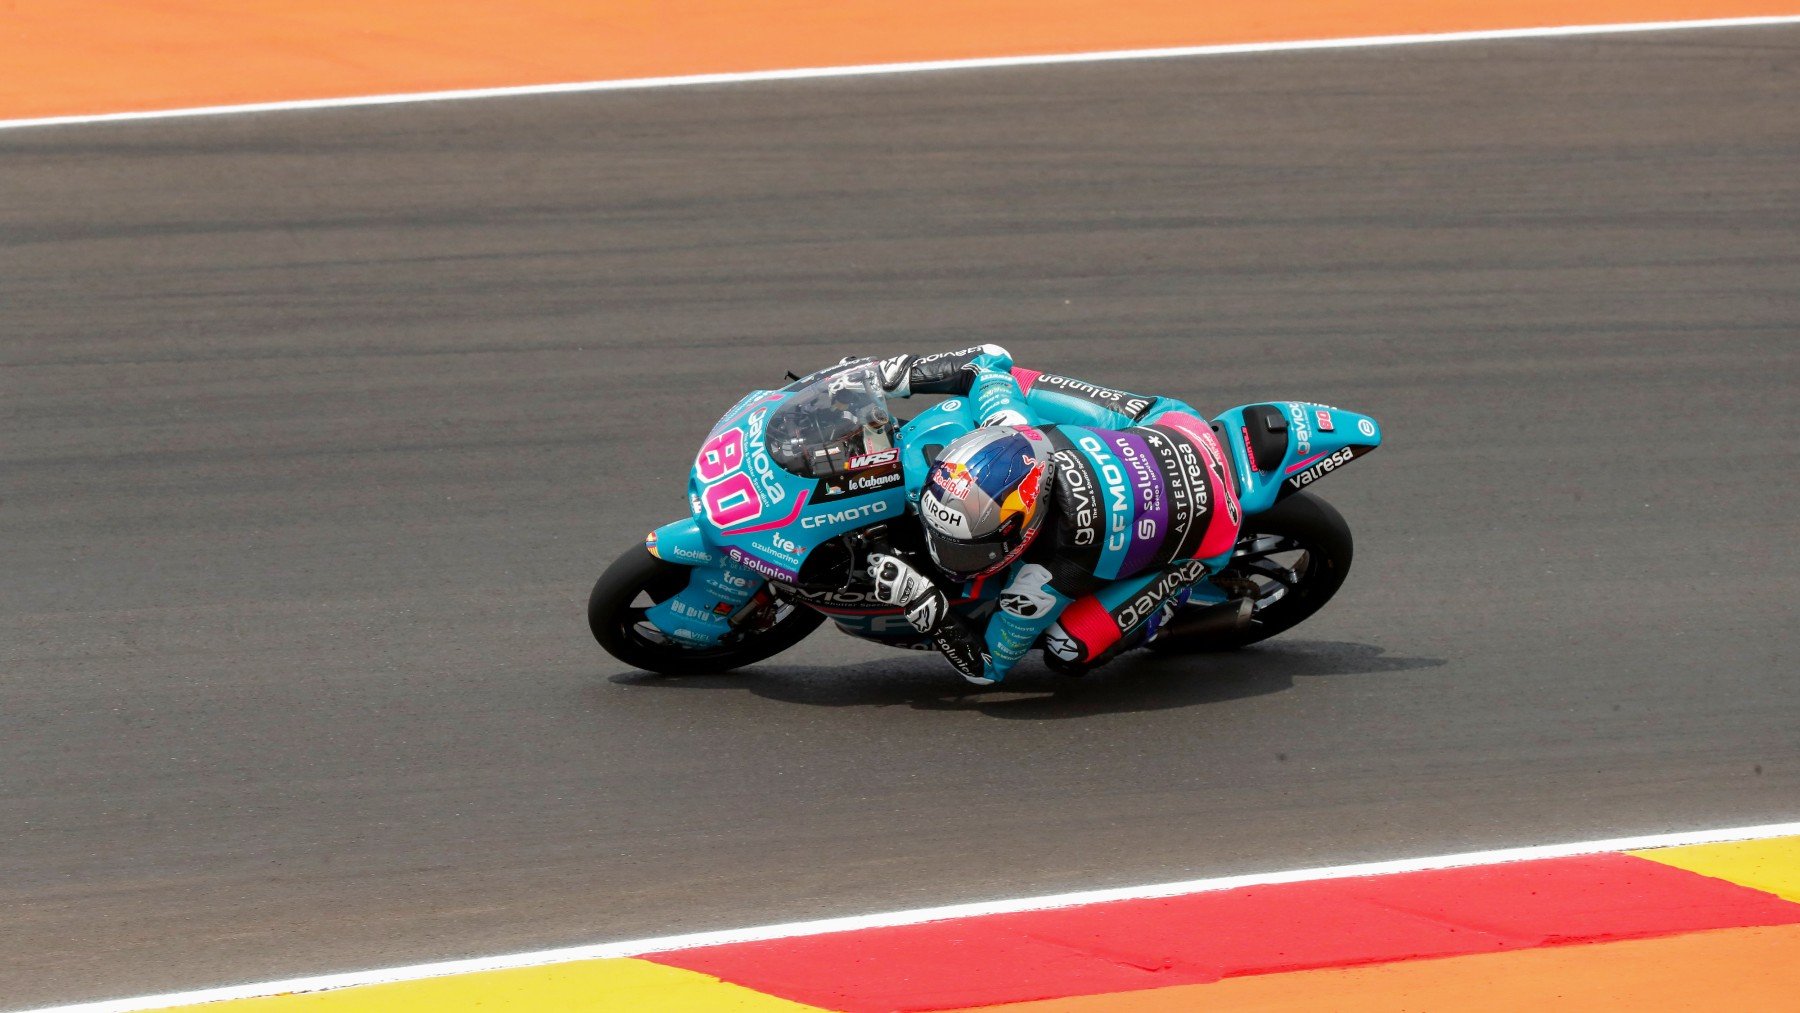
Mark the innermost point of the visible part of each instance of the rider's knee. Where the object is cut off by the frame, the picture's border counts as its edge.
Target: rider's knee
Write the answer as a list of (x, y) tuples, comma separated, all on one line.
[(1084, 633)]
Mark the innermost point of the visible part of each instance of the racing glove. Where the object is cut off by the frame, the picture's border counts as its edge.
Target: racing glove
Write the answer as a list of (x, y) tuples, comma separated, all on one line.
[(943, 373), (899, 584), (927, 609)]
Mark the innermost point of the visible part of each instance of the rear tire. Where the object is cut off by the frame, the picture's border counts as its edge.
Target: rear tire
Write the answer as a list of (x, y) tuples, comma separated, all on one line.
[(1294, 557), (614, 612)]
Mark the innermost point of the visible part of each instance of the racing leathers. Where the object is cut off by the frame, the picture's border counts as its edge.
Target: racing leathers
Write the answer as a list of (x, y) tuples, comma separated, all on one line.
[(1143, 502)]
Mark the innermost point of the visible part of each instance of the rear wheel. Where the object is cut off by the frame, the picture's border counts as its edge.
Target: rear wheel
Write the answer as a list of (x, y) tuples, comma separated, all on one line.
[(637, 580), (1289, 562)]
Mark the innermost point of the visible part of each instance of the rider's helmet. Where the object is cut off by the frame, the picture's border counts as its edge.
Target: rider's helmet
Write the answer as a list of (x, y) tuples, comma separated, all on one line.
[(986, 498)]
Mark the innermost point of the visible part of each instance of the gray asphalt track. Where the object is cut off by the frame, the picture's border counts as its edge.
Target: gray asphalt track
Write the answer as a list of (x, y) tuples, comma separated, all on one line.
[(318, 427)]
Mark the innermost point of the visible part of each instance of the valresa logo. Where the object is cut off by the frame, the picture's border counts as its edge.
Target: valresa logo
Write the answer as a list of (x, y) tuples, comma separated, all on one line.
[(844, 516), (1319, 470)]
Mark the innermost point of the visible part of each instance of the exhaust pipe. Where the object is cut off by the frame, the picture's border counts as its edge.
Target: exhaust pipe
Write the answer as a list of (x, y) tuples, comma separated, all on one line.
[(1227, 617)]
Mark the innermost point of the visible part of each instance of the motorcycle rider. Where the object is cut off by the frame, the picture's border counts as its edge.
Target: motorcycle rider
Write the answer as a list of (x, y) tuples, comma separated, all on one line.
[(1068, 489)]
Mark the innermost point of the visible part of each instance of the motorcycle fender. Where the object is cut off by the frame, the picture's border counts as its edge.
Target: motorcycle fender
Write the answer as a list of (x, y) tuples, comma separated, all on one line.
[(682, 542), (699, 615)]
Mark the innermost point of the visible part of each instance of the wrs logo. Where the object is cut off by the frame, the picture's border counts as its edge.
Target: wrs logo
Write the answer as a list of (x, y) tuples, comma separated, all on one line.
[(874, 460)]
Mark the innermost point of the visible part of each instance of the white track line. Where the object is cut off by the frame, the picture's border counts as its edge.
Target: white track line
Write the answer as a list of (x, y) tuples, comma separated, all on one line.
[(629, 84), (917, 916)]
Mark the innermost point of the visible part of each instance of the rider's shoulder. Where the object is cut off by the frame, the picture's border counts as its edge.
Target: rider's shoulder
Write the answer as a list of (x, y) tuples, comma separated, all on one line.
[(992, 356)]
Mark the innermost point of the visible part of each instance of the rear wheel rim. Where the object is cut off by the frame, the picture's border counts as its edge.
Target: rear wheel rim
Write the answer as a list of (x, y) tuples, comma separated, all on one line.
[(1269, 570)]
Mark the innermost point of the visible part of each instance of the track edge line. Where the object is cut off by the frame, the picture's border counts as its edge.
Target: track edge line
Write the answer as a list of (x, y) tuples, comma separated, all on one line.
[(873, 69)]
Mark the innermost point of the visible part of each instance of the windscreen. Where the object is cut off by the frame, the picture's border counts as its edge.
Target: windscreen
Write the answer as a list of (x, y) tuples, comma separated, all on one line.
[(833, 423)]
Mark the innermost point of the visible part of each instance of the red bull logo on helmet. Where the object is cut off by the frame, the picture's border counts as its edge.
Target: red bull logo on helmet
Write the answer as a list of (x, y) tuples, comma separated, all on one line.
[(953, 479), (1022, 501)]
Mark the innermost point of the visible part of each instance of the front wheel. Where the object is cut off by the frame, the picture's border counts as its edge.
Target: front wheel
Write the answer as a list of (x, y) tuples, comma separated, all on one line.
[(637, 580), (1289, 561)]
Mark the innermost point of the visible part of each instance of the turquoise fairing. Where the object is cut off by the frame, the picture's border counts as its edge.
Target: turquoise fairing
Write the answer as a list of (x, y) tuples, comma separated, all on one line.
[(777, 517), (1312, 451), (936, 426), (681, 542), (796, 514)]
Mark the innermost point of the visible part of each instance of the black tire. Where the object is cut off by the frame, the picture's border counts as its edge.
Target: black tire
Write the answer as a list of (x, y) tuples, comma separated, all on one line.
[(613, 612), (1296, 555)]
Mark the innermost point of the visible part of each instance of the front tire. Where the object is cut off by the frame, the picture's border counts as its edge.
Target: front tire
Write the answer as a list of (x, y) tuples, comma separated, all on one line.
[(1290, 560), (616, 607)]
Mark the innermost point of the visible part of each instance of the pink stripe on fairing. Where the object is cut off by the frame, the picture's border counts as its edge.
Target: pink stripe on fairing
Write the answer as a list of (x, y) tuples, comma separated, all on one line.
[(1221, 529), (1200, 431), (782, 523), (1026, 377), (1306, 462), (1221, 532), (1185, 424)]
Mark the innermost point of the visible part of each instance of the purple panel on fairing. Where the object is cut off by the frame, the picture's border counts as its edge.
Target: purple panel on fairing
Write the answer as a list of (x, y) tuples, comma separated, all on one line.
[(1150, 500)]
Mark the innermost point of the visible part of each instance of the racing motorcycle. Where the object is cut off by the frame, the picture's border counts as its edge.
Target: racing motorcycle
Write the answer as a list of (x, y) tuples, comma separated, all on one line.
[(794, 488)]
